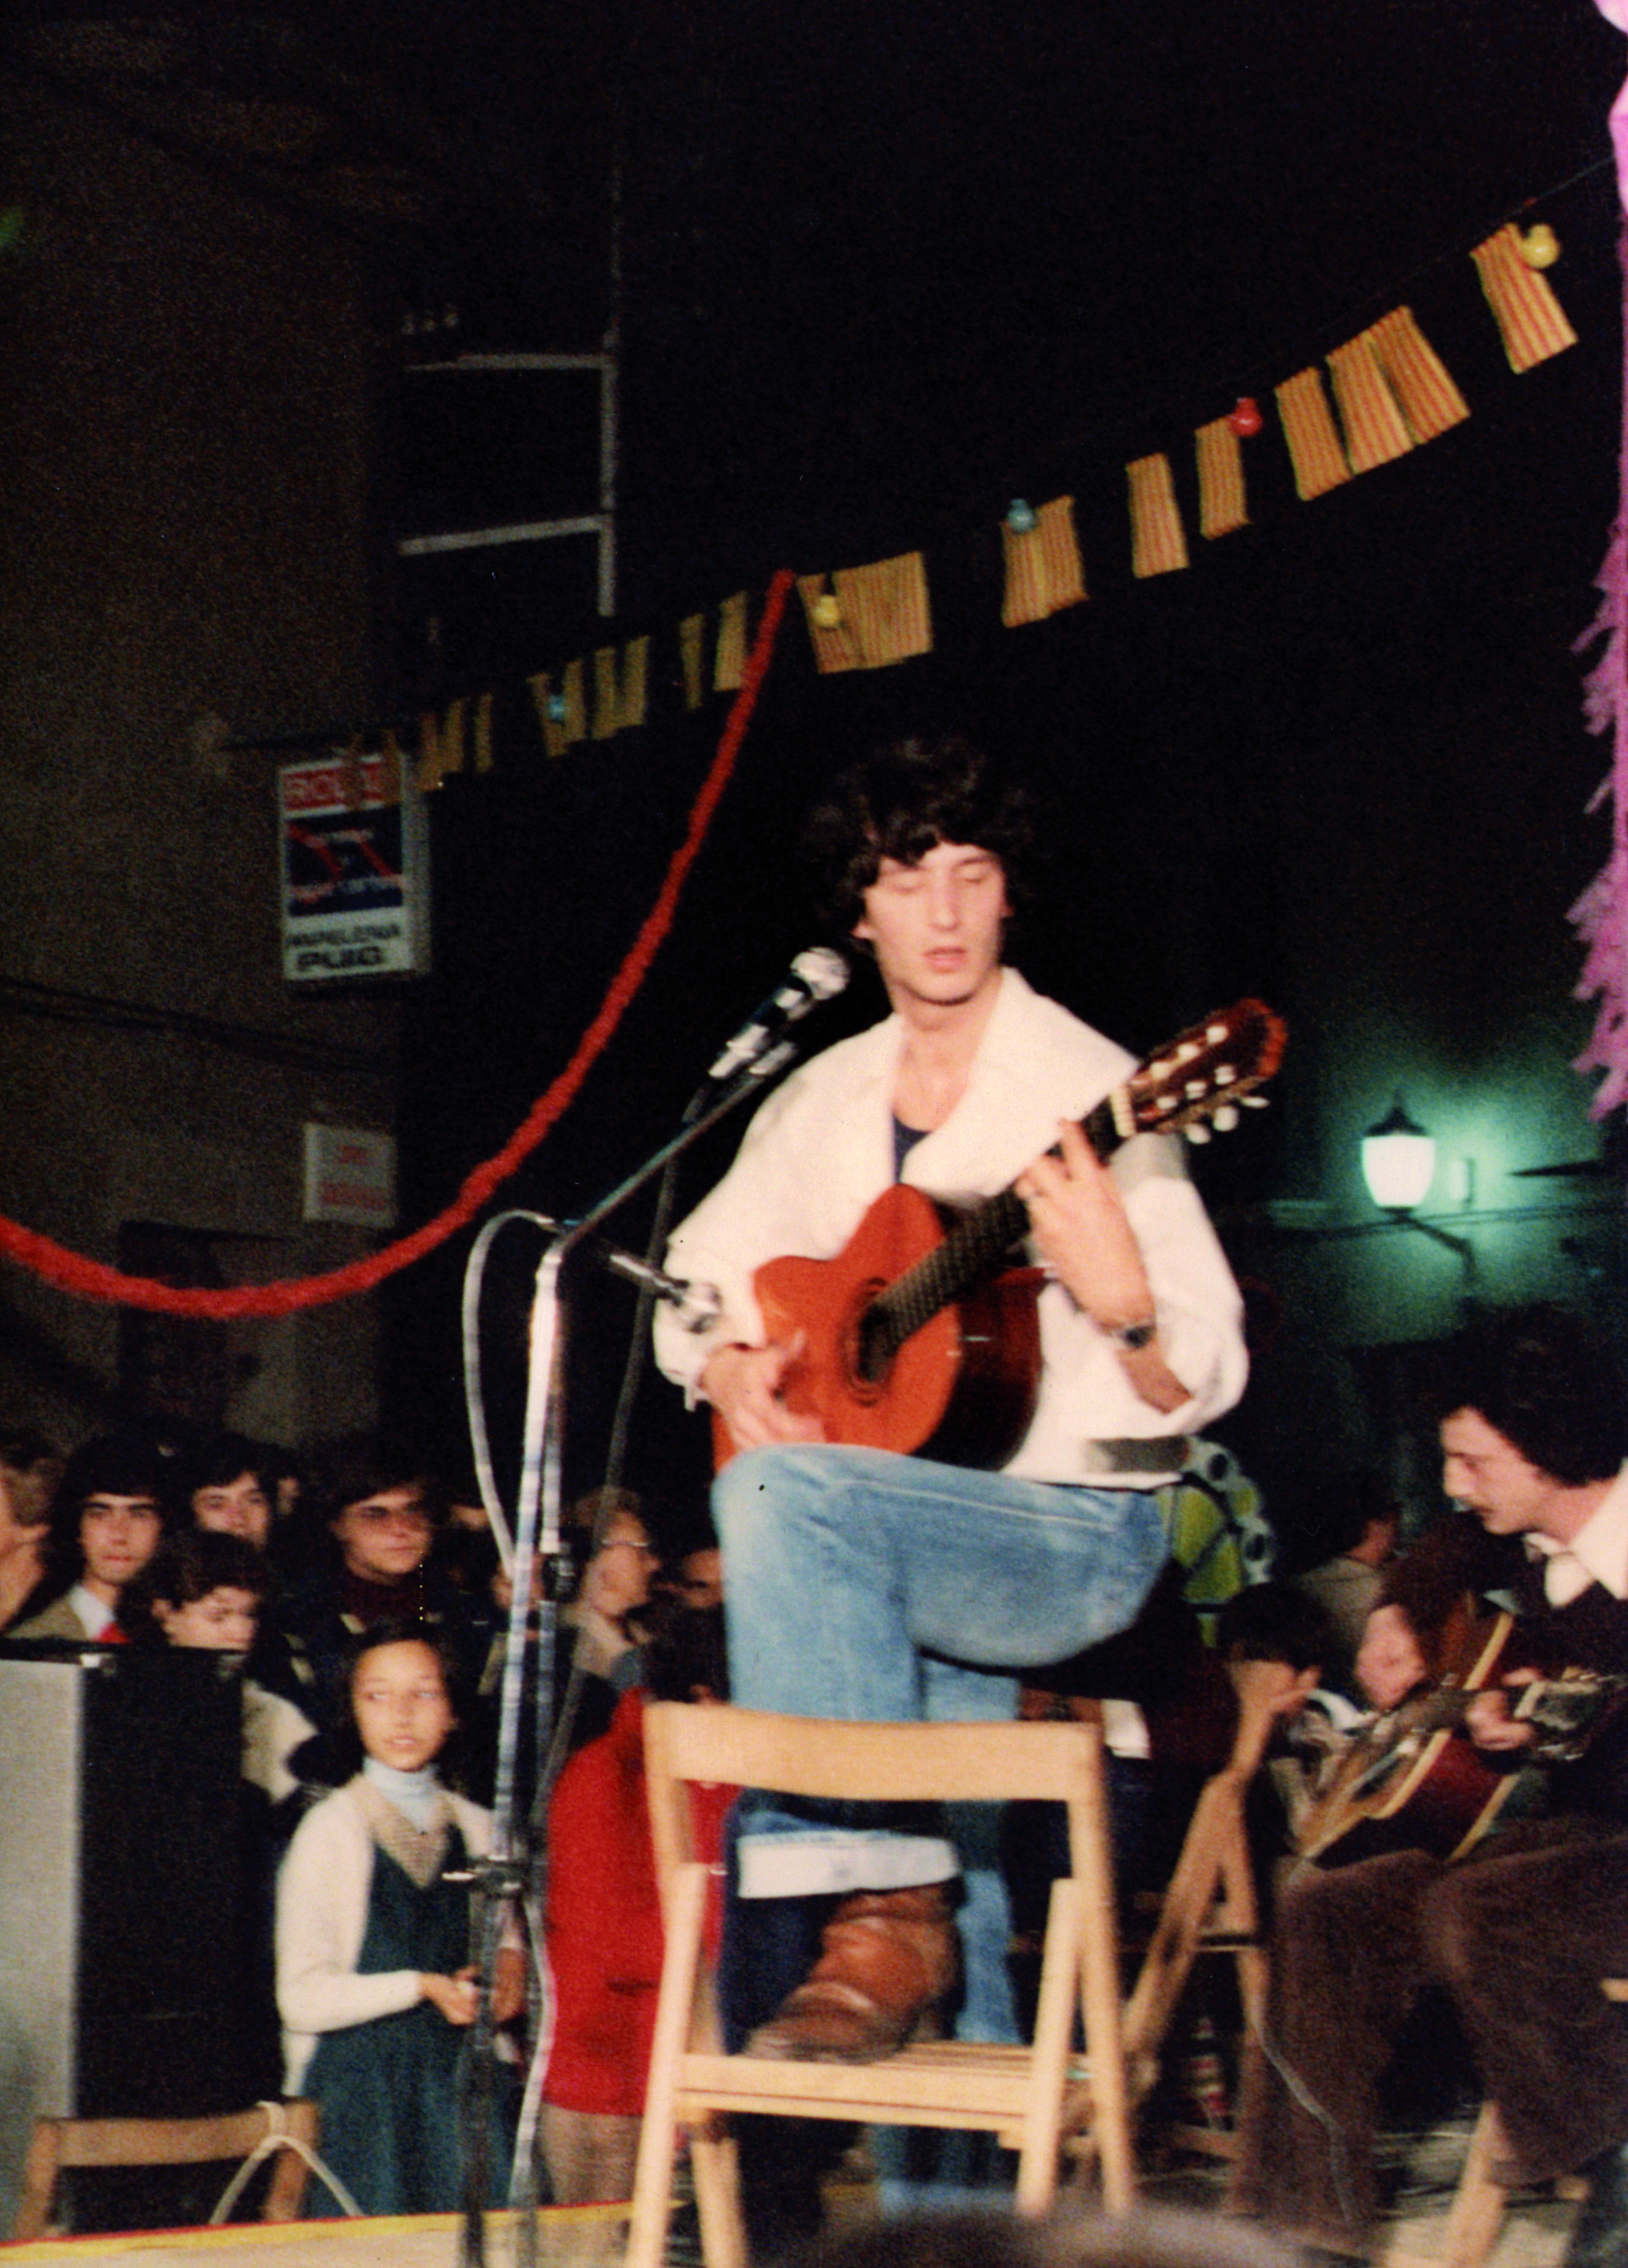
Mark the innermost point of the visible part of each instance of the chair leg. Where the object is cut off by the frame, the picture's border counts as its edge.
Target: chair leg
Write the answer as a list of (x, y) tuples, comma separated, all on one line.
[(1477, 2209), (1478, 2204), (39, 2170), (652, 2184), (716, 2165), (1104, 2039), (1036, 2164), (285, 2193)]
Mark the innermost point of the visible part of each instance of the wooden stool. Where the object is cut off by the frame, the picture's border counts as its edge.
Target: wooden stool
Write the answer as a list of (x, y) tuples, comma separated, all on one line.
[(1028, 2095), (1209, 1904), (64, 2142), (1480, 2200)]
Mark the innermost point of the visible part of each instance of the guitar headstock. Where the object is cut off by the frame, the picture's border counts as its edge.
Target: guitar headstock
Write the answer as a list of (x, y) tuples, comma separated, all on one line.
[(1198, 1079)]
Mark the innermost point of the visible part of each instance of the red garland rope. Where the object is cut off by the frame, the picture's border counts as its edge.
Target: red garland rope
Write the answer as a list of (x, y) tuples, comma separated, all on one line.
[(92, 1280)]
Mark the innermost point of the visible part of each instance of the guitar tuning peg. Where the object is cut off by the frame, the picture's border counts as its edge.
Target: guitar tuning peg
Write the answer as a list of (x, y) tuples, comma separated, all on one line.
[(1255, 1101), (1226, 1118), (1224, 1074), (1198, 1133), (1196, 1090), (1187, 1050), (1215, 1034)]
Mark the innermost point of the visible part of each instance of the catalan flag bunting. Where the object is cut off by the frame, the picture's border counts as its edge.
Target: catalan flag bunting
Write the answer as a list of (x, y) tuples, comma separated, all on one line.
[(1158, 542), (636, 682), (607, 711), (691, 638), (1418, 376), (1314, 446), (1043, 573), (1376, 429), (1222, 506), (835, 646), (885, 606), (1530, 320), (729, 664), (574, 692)]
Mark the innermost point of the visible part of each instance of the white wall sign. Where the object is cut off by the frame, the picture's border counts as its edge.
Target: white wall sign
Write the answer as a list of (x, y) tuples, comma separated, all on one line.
[(350, 1175), (355, 897)]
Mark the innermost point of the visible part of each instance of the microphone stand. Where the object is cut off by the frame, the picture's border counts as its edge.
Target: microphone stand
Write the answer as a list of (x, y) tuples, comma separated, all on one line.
[(502, 1875)]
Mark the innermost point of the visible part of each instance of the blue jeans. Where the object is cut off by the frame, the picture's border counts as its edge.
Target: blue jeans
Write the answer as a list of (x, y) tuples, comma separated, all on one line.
[(863, 1584), (844, 1566)]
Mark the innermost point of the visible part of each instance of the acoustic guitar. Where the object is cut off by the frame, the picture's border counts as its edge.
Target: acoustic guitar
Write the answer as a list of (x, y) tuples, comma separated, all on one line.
[(1415, 1780), (922, 1336)]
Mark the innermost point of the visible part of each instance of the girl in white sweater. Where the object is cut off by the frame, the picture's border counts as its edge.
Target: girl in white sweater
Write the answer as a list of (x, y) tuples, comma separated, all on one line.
[(374, 1983)]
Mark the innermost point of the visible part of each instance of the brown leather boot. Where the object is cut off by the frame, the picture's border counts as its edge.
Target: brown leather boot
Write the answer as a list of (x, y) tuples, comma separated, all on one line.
[(889, 1959)]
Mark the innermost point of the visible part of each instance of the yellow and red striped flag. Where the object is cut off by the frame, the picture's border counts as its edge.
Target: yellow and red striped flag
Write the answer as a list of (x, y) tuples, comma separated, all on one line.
[(1530, 320), (1158, 542), (574, 693), (1315, 452), (1376, 429), (691, 638), (1222, 507), (836, 647), (730, 666), (1419, 376), (634, 707), (607, 708), (885, 608), (1043, 573)]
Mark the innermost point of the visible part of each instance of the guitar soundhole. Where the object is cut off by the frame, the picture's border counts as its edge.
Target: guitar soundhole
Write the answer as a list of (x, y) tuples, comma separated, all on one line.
[(868, 1347)]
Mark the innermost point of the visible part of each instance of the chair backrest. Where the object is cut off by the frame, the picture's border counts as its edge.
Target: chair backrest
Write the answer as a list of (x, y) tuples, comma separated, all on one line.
[(892, 1763)]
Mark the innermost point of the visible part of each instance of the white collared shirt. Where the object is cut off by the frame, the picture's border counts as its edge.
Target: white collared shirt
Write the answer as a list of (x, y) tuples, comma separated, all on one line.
[(1598, 1553), (820, 1150)]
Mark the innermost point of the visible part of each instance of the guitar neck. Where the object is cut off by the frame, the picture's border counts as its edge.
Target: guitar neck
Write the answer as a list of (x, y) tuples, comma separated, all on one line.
[(980, 1240), (1198, 1077)]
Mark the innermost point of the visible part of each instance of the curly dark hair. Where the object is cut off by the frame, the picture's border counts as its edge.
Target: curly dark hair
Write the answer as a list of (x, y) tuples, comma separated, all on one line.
[(187, 1566), (1540, 1377), (898, 804)]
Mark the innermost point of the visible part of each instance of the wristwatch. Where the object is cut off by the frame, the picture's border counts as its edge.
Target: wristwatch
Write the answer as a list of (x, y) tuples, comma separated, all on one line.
[(1131, 1338)]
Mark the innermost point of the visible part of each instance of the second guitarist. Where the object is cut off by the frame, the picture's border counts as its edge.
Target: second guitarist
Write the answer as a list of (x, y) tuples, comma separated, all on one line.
[(862, 1583)]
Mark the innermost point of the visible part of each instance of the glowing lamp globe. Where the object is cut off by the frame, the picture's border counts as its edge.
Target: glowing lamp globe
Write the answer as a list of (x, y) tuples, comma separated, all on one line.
[(1398, 1161)]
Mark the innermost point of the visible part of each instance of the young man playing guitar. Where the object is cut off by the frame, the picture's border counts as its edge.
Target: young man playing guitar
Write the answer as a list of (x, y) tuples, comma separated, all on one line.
[(1521, 1928), (862, 1583)]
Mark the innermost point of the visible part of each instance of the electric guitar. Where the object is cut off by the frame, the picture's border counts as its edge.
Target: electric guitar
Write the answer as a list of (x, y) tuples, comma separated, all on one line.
[(922, 1336), (1413, 1769)]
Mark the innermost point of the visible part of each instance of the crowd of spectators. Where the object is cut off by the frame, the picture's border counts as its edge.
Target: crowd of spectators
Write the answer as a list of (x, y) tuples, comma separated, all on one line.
[(328, 1581)]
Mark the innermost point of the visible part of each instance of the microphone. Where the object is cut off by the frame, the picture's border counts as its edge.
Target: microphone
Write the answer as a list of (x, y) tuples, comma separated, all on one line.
[(818, 974), (698, 1306)]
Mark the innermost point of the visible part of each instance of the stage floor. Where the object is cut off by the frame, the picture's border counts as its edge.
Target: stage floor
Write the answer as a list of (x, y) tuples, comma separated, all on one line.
[(1426, 2170), (432, 2241)]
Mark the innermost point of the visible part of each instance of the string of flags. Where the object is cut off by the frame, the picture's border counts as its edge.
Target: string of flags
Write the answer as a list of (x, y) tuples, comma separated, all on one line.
[(1387, 392)]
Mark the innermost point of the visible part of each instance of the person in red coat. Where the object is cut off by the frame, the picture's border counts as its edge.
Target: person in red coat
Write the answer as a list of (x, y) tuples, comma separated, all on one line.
[(602, 1926)]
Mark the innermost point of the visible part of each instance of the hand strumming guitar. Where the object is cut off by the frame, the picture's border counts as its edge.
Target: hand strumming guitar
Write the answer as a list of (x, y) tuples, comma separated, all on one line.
[(1490, 1723), (744, 1386), (1083, 1233)]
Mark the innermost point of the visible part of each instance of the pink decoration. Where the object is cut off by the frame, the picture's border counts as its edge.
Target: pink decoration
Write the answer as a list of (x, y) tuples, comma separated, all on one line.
[(1601, 915)]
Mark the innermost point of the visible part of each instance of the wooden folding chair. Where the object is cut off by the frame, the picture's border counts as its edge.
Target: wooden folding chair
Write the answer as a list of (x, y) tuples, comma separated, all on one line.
[(1027, 2096), (1210, 1904), (58, 2143), (1481, 2199)]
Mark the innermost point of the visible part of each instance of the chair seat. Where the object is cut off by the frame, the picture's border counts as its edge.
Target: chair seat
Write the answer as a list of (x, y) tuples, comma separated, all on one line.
[(939, 2082)]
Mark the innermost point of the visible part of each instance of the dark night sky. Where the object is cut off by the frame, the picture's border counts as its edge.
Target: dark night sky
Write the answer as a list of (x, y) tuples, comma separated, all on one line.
[(889, 264), (886, 264)]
